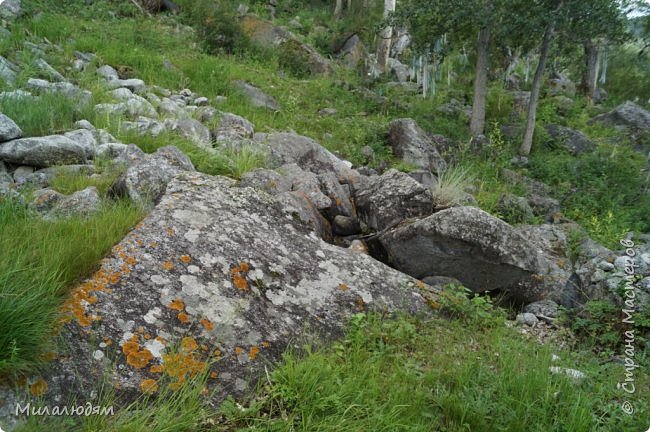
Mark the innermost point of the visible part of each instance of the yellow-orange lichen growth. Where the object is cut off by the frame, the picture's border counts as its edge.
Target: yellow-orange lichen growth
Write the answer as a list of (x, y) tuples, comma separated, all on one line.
[(188, 344), (266, 344), (148, 386), (181, 365), (156, 368), (130, 261), (139, 359), (238, 276), (186, 259), (167, 265), (217, 353), (214, 375), (183, 317), (38, 387), (343, 287), (207, 324), (84, 296), (239, 351), (253, 352), (177, 304)]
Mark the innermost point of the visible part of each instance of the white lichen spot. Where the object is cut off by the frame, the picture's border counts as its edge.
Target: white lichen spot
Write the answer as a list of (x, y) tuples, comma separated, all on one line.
[(155, 347), (192, 235), (207, 260), (126, 337), (240, 384), (151, 316), (159, 280), (193, 269), (98, 355), (192, 286), (194, 219), (320, 253)]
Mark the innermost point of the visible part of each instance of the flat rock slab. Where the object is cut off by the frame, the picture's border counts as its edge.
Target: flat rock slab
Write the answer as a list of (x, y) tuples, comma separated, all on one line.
[(219, 272), (42, 151)]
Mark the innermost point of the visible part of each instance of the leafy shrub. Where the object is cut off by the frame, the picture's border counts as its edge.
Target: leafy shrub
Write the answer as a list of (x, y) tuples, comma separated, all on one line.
[(217, 26), (472, 309), (293, 59)]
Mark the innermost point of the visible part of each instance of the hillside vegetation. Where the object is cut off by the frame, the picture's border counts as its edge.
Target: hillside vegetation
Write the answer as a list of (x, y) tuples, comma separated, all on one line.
[(467, 367)]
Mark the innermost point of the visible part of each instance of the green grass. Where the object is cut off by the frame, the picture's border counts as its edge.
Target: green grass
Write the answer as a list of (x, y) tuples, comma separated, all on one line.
[(39, 261)]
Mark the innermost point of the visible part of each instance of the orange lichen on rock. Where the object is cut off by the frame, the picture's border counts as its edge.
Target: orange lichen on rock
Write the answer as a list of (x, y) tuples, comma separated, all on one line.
[(253, 352), (207, 324), (183, 317), (167, 265), (139, 359), (156, 368), (170, 231), (186, 259), (238, 276), (130, 261), (343, 287), (239, 351), (148, 386), (177, 304), (266, 344), (188, 344), (214, 375), (181, 365), (84, 296), (361, 305), (217, 353), (134, 356), (38, 387)]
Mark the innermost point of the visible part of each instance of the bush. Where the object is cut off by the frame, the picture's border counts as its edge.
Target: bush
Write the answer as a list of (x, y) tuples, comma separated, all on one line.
[(217, 26)]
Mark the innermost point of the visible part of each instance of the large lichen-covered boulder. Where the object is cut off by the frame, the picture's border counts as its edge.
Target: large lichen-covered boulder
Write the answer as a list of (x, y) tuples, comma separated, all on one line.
[(266, 34), (481, 251), (215, 272), (414, 146)]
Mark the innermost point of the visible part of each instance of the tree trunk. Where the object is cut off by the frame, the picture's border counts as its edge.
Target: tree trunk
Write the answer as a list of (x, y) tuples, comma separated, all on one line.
[(385, 38), (338, 10), (592, 63), (477, 123), (534, 92)]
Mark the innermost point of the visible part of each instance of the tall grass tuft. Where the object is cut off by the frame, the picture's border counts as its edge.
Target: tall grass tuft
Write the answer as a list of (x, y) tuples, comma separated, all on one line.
[(39, 261)]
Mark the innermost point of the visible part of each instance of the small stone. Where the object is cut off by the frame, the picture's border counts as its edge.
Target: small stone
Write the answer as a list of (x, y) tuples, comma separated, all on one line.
[(606, 266), (346, 225), (98, 355), (528, 319), (201, 101), (575, 375)]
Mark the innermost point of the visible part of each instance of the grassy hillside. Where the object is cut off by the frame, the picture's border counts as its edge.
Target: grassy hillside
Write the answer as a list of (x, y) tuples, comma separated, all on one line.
[(462, 370)]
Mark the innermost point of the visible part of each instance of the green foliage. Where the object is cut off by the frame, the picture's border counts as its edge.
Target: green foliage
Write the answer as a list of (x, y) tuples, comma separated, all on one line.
[(420, 375), (38, 262), (294, 60), (51, 113), (599, 325), (603, 190), (68, 182), (217, 25), (470, 308)]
